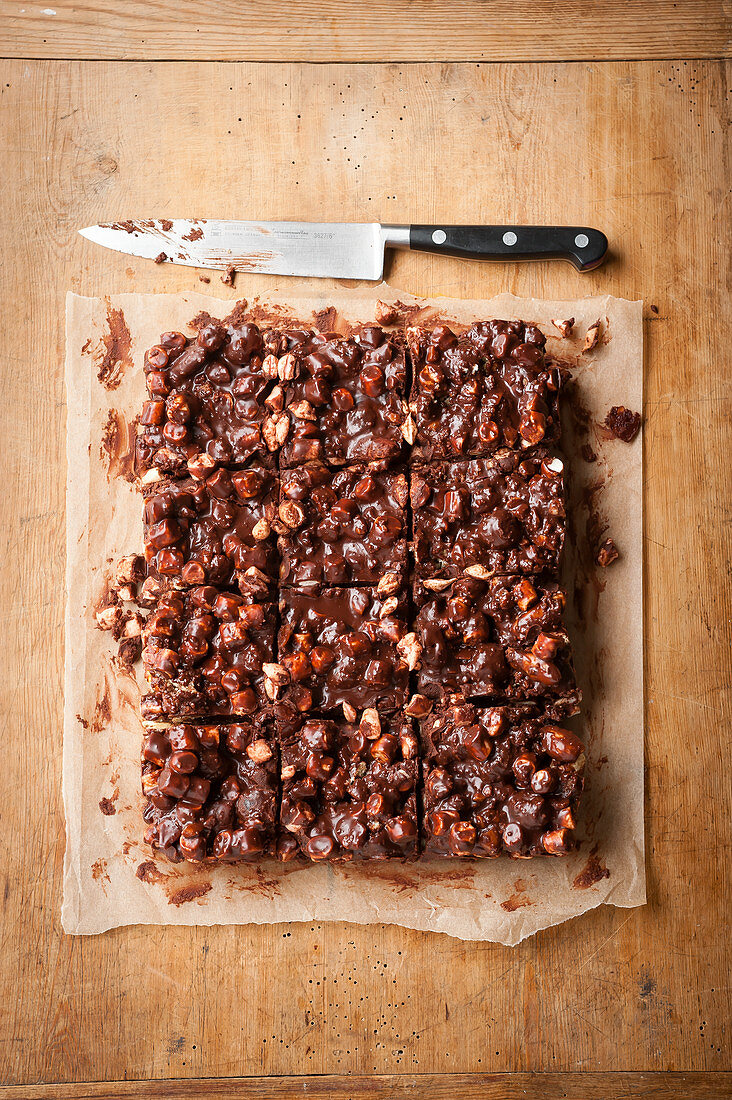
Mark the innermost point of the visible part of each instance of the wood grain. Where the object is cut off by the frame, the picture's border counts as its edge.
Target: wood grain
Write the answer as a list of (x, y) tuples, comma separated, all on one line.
[(483, 1086), (637, 149), (372, 30)]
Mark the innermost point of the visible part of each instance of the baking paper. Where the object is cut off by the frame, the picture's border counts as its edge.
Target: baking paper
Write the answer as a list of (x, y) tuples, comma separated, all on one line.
[(112, 878)]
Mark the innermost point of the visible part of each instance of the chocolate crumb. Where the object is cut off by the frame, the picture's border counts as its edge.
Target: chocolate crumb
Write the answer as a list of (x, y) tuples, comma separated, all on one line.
[(204, 278), (592, 336), (654, 309), (189, 893), (229, 275), (587, 453), (160, 258), (386, 314), (130, 651), (107, 806), (148, 871), (623, 423), (607, 553), (83, 722), (325, 319), (166, 225), (593, 871)]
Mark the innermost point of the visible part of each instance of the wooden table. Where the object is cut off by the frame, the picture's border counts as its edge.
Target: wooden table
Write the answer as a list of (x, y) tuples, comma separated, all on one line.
[(447, 117)]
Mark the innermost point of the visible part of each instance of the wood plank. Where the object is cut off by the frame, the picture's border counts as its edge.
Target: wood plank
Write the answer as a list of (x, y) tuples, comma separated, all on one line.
[(635, 148), (484, 1086), (373, 30)]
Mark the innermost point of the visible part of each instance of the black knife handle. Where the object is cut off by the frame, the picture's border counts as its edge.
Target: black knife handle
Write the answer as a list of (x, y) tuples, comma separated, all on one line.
[(585, 248)]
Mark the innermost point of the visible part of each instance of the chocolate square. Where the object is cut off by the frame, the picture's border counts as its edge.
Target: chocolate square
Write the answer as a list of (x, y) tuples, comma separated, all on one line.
[(349, 789), (205, 654), (211, 790), (499, 780), (342, 527), (218, 531), (344, 397), (488, 389), (503, 514), (343, 646)]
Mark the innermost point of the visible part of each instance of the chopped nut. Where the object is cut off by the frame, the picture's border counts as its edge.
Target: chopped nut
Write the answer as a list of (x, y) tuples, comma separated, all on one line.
[(127, 592), (291, 514), (438, 584), (419, 706), (130, 568), (408, 744), (276, 673), (552, 467), (607, 554), (388, 584), (288, 771), (261, 529), (269, 433), (592, 336), (200, 466), (133, 625), (389, 605), (253, 581), (370, 724), (259, 751), (303, 410), (578, 765), (149, 592), (401, 490), (349, 713), (479, 572), (108, 617), (269, 366), (151, 476), (229, 276), (150, 782), (565, 327), (410, 650), (287, 367), (409, 430), (282, 428), (276, 399)]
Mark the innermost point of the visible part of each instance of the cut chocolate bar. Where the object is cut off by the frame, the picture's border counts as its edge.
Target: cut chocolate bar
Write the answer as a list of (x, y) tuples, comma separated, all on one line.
[(211, 790), (503, 514), (342, 646), (499, 780), (343, 527), (343, 397), (207, 400), (218, 531), (503, 638), (488, 389), (349, 790), (205, 652)]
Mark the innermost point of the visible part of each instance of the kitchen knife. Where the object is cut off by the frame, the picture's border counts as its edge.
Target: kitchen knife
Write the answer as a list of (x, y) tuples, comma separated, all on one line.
[(340, 250)]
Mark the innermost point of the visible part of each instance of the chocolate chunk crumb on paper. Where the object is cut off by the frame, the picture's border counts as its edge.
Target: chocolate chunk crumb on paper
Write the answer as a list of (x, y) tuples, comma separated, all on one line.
[(623, 423), (476, 900)]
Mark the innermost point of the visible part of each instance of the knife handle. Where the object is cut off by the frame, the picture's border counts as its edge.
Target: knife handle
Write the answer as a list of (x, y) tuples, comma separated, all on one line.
[(585, 248)]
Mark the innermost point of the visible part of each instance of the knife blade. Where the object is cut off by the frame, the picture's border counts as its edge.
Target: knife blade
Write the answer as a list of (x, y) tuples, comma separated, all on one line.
[(339, 250)]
